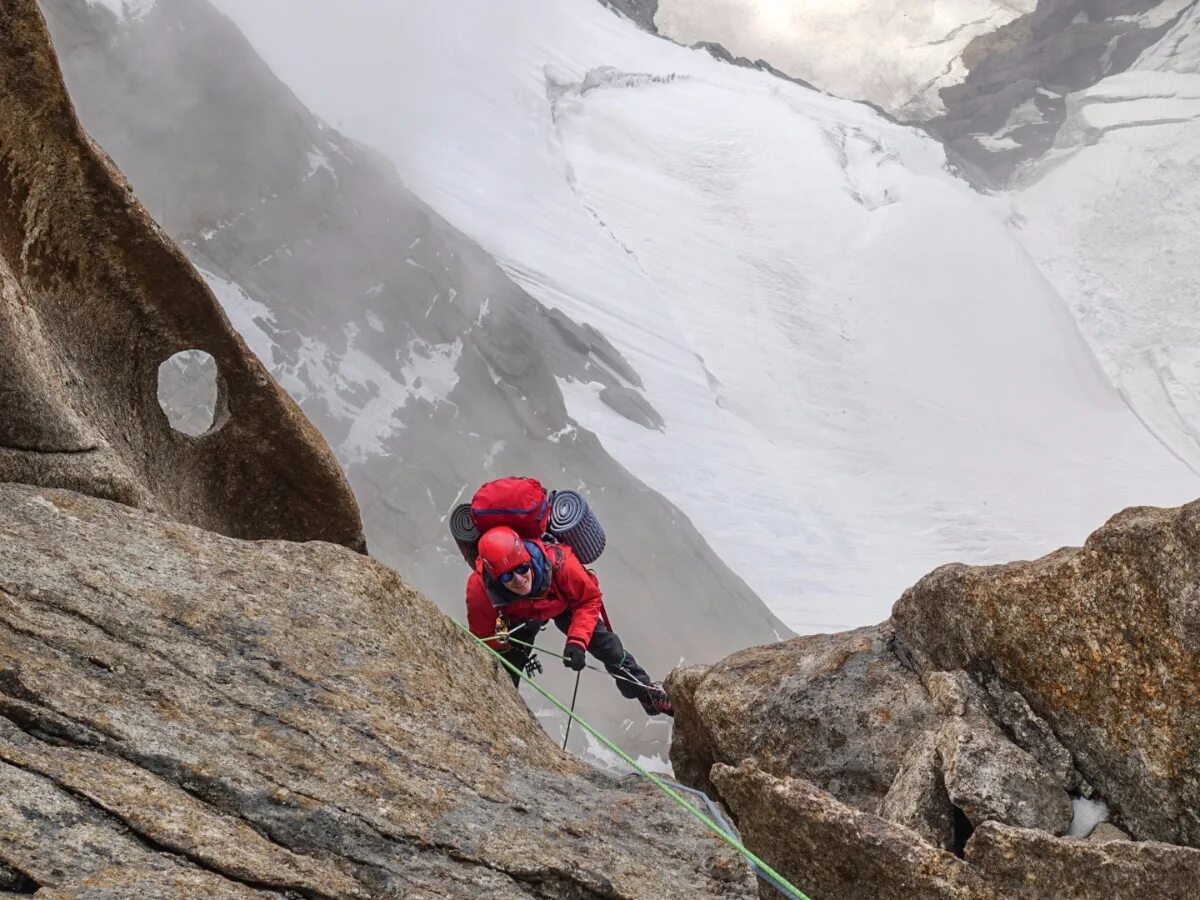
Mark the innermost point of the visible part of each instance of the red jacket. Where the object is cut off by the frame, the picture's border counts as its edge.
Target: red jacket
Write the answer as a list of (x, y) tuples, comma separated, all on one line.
[(571, 588)]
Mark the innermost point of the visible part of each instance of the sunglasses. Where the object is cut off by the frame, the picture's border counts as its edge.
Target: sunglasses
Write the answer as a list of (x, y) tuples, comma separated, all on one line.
[(513, 573)]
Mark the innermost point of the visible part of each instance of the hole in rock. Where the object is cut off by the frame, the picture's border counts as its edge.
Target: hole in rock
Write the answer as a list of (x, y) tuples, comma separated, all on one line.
[(187, 391), (963, 829)]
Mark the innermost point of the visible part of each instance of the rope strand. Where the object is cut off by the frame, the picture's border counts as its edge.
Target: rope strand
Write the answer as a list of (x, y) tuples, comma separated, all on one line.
[(780, 883)]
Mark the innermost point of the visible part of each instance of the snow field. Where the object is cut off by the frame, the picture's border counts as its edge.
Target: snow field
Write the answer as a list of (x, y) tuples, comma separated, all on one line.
[(863, 373)]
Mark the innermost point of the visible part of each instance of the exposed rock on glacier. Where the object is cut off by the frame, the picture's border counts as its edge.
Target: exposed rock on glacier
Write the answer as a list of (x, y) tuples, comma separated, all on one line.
[(1110, 217), (641, 11), (1012, 102), (183, 713), (93, 298), (1102, 642), (989, 79)]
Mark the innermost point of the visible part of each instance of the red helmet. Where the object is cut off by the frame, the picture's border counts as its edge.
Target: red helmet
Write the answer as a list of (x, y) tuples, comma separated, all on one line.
[(502, 550)]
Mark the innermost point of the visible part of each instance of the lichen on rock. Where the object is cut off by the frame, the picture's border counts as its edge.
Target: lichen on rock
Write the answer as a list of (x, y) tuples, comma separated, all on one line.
[(1101, 642)]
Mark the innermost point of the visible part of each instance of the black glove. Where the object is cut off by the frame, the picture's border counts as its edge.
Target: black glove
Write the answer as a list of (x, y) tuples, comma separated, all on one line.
[(573, 656)]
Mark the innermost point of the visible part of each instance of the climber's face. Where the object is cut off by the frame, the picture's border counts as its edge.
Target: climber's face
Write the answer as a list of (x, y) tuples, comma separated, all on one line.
[(520, 582)]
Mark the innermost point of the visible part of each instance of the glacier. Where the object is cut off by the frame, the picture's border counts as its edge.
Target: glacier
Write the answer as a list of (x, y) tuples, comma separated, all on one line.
[(1111, 214), (862, 371)]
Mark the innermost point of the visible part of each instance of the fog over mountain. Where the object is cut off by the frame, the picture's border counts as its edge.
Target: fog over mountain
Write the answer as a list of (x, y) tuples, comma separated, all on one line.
[(424, 366), (990, 78)]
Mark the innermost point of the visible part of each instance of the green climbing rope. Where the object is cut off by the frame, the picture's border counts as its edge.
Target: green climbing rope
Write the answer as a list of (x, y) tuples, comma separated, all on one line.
[(782, 883)]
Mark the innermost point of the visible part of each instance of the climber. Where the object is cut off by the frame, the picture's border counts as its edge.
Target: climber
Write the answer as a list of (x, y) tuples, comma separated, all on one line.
[(520, 585)]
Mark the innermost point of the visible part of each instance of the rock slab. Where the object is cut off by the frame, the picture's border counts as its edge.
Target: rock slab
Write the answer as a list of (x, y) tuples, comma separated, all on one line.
[(832, 851), (196, 715)]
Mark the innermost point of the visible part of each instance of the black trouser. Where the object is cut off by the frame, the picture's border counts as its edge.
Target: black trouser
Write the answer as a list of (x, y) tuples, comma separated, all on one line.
[(604, 645)]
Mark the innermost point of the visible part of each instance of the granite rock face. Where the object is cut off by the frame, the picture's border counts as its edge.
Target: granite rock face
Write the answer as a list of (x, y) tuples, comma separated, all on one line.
[(1021, 862), (991, 779), (94, 297), (1006, 690), (1102, 642), (918, 798), (186, 714), (838, 710), (831, 851), (843, 712)]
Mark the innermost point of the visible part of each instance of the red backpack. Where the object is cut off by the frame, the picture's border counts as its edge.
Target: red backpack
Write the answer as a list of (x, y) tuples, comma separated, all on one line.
[(524, 506), (520, 503)]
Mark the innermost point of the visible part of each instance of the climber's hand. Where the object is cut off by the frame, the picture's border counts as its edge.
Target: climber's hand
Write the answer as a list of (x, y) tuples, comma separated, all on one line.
[(573, 656)]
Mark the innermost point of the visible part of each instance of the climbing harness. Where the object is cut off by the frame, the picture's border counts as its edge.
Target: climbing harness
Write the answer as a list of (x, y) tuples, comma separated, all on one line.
[(784, 886)]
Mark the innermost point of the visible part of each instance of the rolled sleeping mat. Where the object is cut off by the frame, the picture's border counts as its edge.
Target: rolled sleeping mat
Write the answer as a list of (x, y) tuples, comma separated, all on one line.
[(574, 524), (464, 532)]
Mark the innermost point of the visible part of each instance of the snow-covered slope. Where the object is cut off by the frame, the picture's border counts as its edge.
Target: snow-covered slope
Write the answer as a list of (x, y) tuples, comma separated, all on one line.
[(896, 55), (1112, 217), (862, 373)]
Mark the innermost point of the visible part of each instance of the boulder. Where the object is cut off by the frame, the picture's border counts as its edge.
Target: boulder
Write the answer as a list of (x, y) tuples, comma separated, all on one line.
[(94, 298), (1018, 862), (839, 710), (843, 712), (1106, 831), (969, 770), (187, 714), (918, 799), (986, 776), (830, 850), (990, 778), (1101, 642)]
